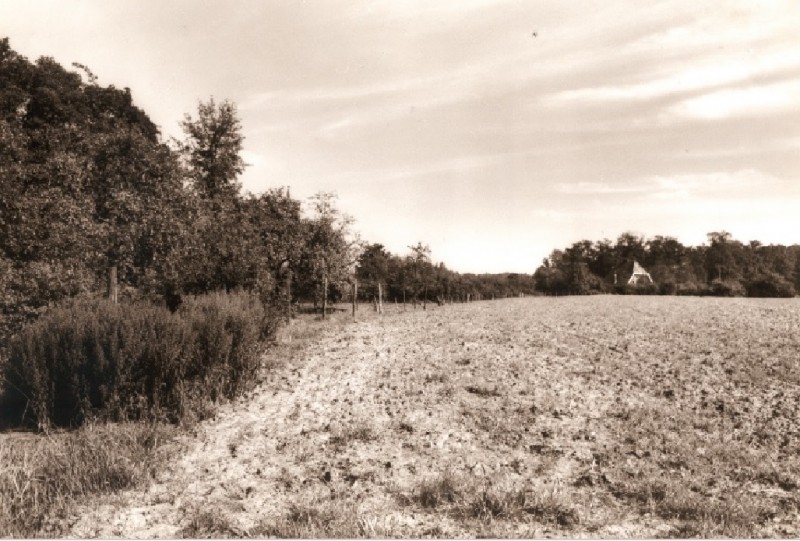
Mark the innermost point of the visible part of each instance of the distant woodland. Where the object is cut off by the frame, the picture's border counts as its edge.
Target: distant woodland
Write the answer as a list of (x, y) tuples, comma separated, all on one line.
[(722, 267)]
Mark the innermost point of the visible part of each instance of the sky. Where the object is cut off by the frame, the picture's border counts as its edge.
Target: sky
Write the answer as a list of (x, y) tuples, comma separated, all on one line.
[(492, 131)]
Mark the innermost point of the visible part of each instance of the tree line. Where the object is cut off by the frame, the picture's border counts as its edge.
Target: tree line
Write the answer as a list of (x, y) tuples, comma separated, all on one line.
[(722, 267), (93, 199)]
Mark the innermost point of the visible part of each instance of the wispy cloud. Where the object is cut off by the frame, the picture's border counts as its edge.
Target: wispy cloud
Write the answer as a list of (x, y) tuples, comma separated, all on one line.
[(601, 188), (721, 184), (677, 186), (707, 74), (748, 101)]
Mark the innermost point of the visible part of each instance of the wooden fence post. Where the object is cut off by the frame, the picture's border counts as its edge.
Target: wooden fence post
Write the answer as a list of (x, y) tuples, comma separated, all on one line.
[(113, 288)]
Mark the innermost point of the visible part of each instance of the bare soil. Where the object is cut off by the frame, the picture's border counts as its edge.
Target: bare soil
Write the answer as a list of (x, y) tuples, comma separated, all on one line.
[(575, 417)]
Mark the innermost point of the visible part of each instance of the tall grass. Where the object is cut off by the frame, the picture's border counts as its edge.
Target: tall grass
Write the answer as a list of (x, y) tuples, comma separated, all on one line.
[(42, 476)]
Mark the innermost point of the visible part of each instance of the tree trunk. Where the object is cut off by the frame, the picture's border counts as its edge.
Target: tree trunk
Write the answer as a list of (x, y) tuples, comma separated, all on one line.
[(355, 297), (324, 296), (425, 299), (380, 298), (113, 289)]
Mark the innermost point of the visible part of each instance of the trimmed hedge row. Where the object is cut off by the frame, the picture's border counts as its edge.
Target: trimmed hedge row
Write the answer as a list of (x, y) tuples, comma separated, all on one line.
[(92, 358)]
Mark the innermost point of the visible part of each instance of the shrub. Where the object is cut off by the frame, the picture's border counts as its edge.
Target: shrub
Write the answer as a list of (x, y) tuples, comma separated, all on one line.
[(228, 329), (727, 288), (770, 285), (131, 361), (693, 288), (667, 288), (90, 356)]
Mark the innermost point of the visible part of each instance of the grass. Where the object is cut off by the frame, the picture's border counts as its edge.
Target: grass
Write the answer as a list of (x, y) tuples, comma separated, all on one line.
[(361, 432), (464, 499), (42, 477), (210, 525), (442, 490), (321, 519)]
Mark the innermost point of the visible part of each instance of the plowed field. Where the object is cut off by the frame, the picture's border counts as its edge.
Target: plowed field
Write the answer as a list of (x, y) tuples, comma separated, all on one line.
[(582, 416)]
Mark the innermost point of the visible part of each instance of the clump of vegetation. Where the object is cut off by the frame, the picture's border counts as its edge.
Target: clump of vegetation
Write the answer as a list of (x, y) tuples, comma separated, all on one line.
[(493, 502), (334, 519), (361, 432), (444, 489), (695, 515), (462, 498), (41, 478), (484, 392), (227, 331), (209, 525), (93, 358)]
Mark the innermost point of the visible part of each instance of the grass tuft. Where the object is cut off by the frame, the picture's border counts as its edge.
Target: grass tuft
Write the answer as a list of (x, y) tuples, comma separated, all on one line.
[(444, 489)]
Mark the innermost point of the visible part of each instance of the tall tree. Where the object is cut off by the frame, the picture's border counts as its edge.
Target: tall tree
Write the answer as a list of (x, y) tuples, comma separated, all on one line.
[(212, 149), (373, 268), (420, 262), (332, 249)]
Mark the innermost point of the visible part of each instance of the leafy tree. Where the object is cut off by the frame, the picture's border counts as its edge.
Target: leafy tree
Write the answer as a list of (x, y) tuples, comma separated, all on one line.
[(331, 250), (419, 261), (373, 268), (86, 184), (212, 150)]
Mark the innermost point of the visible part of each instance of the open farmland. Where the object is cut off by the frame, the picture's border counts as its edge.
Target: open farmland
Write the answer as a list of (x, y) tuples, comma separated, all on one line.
[(578, 416)]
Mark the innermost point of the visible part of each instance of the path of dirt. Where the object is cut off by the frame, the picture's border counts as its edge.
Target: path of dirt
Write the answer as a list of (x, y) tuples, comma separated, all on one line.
[(374, 408)]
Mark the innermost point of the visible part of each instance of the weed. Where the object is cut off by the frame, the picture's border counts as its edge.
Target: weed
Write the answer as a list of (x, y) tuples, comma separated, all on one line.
[(319, 520), (359, 433), (492, 502), (444, 489), (484, 392), (210, 525), (439, 377)]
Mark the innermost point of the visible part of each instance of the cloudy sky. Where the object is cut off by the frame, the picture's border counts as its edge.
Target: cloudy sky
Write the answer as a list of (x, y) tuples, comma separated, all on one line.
[(492, 131)]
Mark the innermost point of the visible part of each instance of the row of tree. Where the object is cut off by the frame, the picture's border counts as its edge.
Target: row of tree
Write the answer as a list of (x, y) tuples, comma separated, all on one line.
[(414, 278), (723, 266), (93, 199)]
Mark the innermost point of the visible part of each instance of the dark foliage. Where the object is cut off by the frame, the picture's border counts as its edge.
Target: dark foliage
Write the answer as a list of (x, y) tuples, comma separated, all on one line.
[(92, 358), (723, 267)]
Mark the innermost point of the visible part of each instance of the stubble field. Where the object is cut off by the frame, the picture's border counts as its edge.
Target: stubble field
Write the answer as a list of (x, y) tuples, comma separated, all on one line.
[(579, 416)]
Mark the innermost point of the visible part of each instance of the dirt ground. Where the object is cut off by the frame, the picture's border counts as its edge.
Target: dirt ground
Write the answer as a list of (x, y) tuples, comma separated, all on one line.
[(575, 417)]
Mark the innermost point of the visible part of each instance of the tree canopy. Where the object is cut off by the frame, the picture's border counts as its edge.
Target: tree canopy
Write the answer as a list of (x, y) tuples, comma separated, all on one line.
[(723, 266)]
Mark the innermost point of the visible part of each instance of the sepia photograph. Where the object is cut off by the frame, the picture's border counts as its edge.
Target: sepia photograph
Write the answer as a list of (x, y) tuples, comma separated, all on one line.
[(314, 269)]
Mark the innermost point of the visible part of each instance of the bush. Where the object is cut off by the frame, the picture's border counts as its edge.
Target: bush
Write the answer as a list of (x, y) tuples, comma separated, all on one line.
[(91, 358), (667, 288), (770, 285), (636, 289), (228, 329), (692, 288), (727, 288)]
